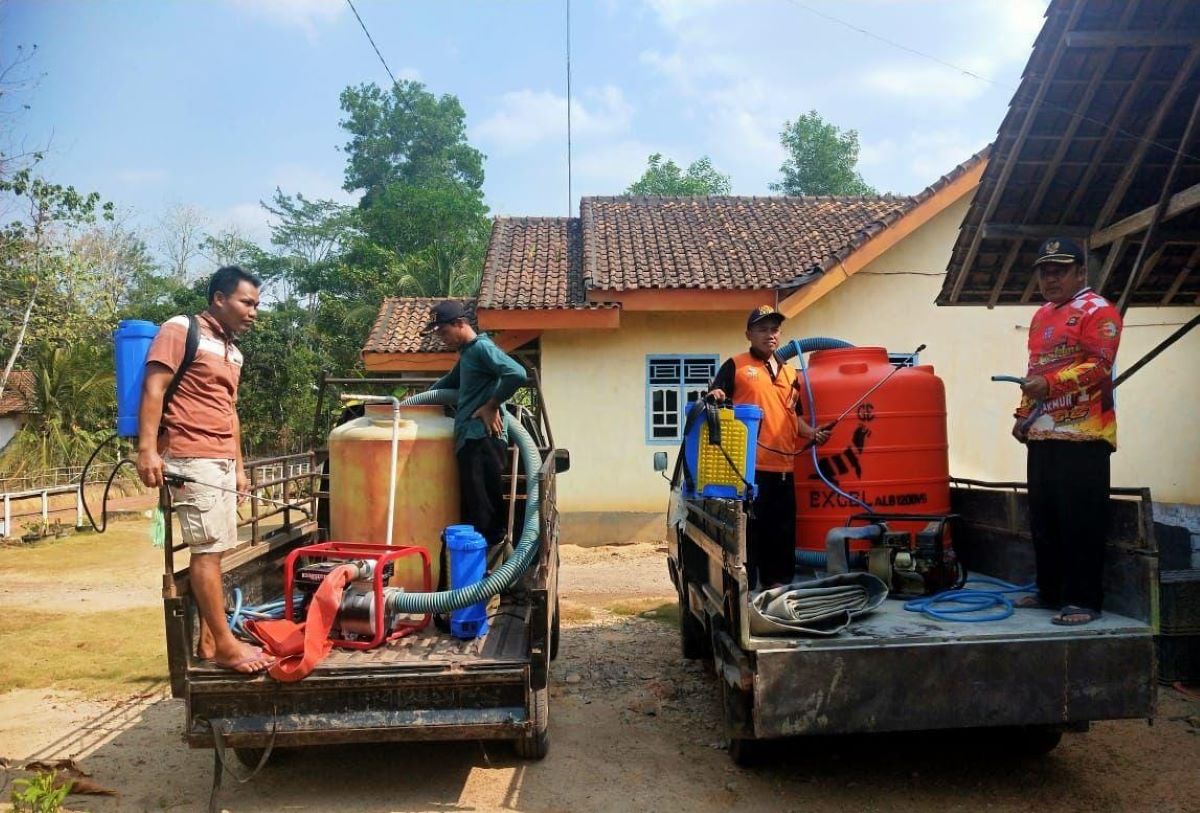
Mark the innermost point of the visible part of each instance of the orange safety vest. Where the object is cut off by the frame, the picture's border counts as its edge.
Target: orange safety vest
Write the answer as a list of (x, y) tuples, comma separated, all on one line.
[(776, 397)]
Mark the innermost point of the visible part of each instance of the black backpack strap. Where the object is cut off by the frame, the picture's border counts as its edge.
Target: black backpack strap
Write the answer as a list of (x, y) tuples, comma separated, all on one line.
[(189, 355)]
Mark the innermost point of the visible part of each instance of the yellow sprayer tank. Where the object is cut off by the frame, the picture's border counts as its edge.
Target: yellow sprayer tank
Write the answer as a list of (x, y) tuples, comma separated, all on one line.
[(426, 484)]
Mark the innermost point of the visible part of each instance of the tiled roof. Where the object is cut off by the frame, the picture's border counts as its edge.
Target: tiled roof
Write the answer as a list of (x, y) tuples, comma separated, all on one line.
[(17, 393), (720, 242), (400, 322), (625, 243), (534, 263)]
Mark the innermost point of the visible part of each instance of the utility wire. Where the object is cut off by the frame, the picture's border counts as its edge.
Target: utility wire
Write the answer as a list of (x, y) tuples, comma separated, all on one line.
[(1014, 89), (371, 40), (570, 197)]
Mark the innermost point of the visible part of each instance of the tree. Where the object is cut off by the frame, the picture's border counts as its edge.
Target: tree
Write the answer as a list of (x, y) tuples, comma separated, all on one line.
[(310, 238), (73, 402), (407, 136), (35, 258), (180, 238), (667, 180), (822, 160)]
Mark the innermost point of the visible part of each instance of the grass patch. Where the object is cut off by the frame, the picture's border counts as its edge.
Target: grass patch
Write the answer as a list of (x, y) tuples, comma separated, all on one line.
[(572, 613), (654, 609), (124, 544), (98, 654)]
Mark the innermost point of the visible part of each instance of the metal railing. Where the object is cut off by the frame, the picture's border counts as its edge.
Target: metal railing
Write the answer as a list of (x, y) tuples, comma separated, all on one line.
[(62, 476), (285, 478)]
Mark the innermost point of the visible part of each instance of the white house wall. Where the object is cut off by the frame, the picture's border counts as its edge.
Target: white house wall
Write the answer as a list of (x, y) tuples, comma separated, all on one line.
[(594, 383)]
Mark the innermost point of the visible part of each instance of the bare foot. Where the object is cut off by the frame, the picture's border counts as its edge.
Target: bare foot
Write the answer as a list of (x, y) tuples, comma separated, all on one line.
[(242, 658), (207, 647)]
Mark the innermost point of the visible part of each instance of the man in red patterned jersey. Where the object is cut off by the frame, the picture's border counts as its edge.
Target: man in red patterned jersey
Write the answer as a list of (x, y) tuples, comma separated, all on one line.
[(1068, 421), (757, 377), (198, 435)]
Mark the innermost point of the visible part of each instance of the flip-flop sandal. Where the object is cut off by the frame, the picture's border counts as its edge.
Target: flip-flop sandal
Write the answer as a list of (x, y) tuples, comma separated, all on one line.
[(1031, 603), (234, 666), (1074, 616)]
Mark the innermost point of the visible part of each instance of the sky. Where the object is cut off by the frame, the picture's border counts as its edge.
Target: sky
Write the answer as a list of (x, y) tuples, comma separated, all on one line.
[(215, 103)]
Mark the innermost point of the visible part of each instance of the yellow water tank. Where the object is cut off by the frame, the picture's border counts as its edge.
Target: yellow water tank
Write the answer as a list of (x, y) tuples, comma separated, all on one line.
[(426, 483)]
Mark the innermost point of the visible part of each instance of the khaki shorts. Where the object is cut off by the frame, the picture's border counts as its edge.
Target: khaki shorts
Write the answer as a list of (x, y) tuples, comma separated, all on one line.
[(207, 516)]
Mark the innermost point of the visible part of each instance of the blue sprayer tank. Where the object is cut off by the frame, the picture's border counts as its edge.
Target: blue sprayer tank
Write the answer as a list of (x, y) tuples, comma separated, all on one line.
[(467, 551), (709, 464), (131, 345)]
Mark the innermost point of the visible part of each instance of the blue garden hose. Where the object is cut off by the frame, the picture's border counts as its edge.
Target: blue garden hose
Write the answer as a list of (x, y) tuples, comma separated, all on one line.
[(968, 605), (797, 348), (242, 612)]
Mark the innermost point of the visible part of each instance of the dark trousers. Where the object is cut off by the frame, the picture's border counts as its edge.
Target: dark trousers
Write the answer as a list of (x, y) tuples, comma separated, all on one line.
[(481, 465), (771, 532), (1068, 517)]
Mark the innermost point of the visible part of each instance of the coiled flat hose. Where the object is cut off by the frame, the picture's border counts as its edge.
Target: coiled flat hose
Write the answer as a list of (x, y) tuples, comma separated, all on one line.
[(526, 550)]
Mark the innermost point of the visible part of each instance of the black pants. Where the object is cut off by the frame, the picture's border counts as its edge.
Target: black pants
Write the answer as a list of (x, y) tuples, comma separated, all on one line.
[(771, 532), (1068, 517), (481, 465)]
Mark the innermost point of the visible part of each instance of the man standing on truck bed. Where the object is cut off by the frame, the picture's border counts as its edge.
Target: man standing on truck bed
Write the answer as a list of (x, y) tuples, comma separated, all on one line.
[(1067, 419), (757, 377), (485, 378), (198, 434)]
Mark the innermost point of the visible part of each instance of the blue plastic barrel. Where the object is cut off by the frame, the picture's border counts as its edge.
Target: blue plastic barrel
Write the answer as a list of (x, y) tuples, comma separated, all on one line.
[(131, 345), (468, 565)]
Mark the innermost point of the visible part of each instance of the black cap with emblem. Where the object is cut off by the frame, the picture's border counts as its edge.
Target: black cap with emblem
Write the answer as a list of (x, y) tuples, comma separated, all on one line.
[(1060, 250)]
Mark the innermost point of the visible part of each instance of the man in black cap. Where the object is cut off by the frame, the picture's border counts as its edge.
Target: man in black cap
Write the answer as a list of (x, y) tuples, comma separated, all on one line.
[(485, 378), (1067, 420), (757, 377)]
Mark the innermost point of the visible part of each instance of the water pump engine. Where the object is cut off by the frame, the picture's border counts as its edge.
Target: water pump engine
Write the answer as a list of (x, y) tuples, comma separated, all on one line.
[(919, 564), (364, 620)]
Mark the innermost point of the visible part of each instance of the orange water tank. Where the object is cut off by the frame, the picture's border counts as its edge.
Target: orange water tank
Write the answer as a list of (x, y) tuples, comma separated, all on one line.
[(426, 483), (890, 451)]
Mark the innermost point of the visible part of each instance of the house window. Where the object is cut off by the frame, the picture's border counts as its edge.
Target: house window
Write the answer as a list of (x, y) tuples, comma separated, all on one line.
[(903, 359), (673, 383)]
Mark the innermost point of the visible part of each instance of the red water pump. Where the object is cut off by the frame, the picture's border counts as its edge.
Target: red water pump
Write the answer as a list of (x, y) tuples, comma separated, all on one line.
[(364, 620)]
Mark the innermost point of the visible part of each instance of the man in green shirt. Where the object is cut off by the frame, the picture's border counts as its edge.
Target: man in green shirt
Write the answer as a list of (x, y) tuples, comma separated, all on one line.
[(485, 378)]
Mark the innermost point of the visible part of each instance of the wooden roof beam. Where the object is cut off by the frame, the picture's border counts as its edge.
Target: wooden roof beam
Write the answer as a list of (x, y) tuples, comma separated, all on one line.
[(1181, 276), (1081, 109), (1110, 133), (1151, 131), (1033, 231), (1010, 160), (1182, 201), (1009, 260), (1110, 262), (1150, 38)]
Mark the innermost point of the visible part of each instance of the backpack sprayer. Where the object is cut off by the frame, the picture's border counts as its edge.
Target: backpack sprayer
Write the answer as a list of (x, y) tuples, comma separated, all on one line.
[(131, 345)]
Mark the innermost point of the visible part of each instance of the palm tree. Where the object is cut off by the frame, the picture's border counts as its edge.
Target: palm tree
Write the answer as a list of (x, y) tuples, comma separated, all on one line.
[(72, 397)]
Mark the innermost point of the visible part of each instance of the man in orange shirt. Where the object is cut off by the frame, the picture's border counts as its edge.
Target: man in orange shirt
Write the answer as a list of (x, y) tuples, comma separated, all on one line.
[(198, 435), (757, 377)]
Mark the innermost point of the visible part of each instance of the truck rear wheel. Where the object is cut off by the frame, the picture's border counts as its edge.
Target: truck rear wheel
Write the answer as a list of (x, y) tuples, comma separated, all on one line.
[(1036, 740), (692, 635), (554, 631), (536, 744), (745, 752)]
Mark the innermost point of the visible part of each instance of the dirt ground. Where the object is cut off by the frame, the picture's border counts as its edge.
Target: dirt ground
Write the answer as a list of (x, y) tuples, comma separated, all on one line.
[(633, 727)]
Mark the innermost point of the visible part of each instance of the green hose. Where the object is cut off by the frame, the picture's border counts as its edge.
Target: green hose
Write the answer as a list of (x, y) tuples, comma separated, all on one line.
[(527, 547)]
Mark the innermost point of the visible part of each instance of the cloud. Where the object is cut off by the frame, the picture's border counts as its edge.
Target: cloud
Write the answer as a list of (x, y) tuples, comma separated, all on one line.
[(140, 177), (608, 168), (932, 84), (307, 15), (527, 118), (313, 183), (250, 220)]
